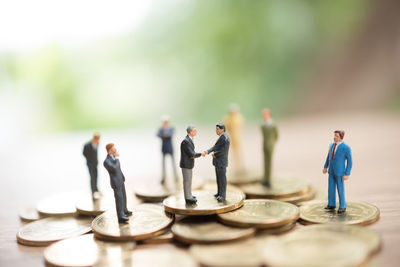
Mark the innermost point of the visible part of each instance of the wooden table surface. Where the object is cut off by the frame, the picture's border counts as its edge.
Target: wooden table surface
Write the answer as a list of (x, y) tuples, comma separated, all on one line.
[(35, 166)]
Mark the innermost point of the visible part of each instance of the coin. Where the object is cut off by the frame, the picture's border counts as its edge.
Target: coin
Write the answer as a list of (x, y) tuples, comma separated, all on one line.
[(280, 188), (276, 230), (166, 237), (29, 215), (46, 231), (197, 230), (206, 203), (244, 178), (156, 192), (86, 250), (261, 213), (357, 212), (148, 220), (300, 198), (240, 253), (62, 204), (368, 237), (322, 249)]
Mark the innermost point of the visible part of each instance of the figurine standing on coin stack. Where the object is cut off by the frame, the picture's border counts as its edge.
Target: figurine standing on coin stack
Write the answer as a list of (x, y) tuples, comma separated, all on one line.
[(90, 153), (187, 163), (117, 180), (270, 136), (339, 152), (220, 160), (234, 126), (165, 133)]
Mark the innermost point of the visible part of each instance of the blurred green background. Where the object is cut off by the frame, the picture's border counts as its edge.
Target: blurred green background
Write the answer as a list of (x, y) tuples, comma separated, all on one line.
[(191, 59)]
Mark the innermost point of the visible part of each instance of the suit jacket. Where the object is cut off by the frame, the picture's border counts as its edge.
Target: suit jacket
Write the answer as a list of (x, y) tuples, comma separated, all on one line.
[(270, 135), (113, 167), (221, 149), (188, 154), (166, 137), (337, 166), (90, 154)]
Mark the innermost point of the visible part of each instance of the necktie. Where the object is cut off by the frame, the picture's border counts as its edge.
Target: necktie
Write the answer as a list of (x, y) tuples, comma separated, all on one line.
[(333, 151)]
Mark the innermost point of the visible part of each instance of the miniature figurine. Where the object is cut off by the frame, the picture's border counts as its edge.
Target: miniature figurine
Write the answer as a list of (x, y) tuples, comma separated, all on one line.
[(117, 179), (90, 153), (270, 136), (234, 126), (220, 160), (339, 152), (165, 133), (188, 155)]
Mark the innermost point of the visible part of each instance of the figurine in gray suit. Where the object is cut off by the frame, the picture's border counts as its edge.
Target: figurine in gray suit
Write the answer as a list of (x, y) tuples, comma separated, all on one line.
[(187, 163), (117, 180), (220, 160), (90, 153)]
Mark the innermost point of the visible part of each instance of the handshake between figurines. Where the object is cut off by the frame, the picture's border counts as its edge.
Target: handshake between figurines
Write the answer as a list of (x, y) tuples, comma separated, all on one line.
[(204, 153)]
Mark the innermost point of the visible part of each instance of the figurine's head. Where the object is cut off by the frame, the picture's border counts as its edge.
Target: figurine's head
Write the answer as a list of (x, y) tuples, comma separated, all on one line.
[(233, 108), (165, 120), (96, 138), (191, 131), (111, 149), (266, 114), (219, 128), (338, 137)]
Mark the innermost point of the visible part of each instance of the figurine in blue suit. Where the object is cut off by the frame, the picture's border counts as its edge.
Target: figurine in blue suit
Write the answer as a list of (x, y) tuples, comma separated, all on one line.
[(165, 133), (339, 153)]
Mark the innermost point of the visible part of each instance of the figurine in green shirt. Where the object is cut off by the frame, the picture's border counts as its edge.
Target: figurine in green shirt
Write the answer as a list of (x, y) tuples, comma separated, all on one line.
[(270, 136)]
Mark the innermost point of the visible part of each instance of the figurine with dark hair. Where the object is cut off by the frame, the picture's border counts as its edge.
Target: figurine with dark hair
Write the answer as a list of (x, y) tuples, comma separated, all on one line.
[(165, 133), (117, 179), (270, 136), (188, 155), (90, 153), (338, 163), (220, 160)]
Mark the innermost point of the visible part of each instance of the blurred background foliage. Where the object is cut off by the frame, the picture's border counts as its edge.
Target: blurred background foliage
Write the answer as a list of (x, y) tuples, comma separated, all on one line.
[(189, 59)]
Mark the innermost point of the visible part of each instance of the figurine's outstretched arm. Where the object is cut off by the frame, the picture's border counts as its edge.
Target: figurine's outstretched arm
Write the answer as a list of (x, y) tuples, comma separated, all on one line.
[(189, 151)]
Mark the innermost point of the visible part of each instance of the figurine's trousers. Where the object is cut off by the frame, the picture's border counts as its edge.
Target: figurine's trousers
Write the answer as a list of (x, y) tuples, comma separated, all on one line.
[(93, 178), (267, 165), (221, 181), (336, 182), (187, 182), (120, 200), (173, 165)]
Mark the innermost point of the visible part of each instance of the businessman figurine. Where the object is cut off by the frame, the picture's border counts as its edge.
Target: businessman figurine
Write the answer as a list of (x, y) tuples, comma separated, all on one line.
[(187, 163), (165, 133), (270, 136), (220, 160), (117, 179), (335, 164), (90, 153)]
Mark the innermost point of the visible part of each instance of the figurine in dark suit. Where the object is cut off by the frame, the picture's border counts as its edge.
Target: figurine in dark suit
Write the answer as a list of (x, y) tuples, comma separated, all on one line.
[(270, 137), (339, 154), (187, 163), (90, 153), (165, 133), (220, 160), (117, 179)]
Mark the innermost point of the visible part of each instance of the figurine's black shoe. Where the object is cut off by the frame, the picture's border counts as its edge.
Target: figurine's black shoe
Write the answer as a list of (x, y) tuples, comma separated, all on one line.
[(191, 201), (216, 195), (128, 213), (329, 207), (220, 199), (123, 220), (341, 210), (194, 197), (266, 184)]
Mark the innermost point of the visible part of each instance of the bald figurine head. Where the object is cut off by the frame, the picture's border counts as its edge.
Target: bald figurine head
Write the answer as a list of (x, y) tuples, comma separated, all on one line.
[(96, 138), (266, 114)]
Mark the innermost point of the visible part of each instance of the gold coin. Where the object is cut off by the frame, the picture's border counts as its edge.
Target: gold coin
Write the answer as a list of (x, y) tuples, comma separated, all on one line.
[(62, 204), (29, 215), (240, 253), (276, 230), (148, 220), (86, 250), (156, 192), (261, 213), (280, 188), (368, 237), (197, 230), (322, 249), (166, 237), (244, 178), (357, 212), (93, 207), (46, 231), (300, 198), (206, 203)]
